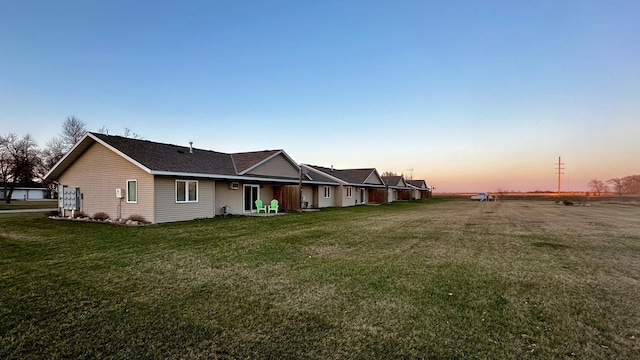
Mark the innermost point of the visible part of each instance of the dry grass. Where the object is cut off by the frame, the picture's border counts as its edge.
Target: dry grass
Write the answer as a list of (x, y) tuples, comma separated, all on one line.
[(438, 279)]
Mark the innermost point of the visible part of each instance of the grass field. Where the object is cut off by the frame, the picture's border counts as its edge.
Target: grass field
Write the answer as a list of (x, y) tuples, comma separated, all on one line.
[(29, 204), (435, 279)]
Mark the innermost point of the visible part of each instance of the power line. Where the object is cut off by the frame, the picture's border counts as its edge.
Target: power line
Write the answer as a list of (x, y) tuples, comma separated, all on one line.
[(410, 173), (559, 169)]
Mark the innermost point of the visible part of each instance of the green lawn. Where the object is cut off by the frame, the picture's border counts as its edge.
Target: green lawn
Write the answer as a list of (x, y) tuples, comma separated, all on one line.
[(29, 204), (428, 279)]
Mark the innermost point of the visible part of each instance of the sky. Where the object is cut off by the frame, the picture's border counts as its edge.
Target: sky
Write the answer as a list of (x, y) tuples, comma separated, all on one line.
[(469, 95)]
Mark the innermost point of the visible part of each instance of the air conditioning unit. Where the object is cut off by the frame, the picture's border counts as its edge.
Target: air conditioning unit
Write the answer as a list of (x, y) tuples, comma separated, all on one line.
[(119, 193), (234, 185)]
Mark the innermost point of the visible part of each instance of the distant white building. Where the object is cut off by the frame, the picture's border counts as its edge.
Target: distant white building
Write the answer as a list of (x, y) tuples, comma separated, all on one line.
[(25, 191)]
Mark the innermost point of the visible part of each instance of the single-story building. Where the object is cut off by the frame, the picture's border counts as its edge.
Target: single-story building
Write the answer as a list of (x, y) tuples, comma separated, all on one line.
[(397, 188), (354, 186), (420, 189), (162, 182), (24, 191)]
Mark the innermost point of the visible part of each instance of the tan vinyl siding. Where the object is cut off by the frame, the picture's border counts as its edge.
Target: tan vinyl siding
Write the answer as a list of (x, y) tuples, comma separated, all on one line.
[(98, 172), (226, 196), (307, 195), (235, 198), (279, 166), (373, 179), (324, 202), (167, 209), (349, 201)]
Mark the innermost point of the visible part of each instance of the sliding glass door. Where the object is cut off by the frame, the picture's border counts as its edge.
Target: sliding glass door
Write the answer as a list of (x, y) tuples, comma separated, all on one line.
[(251, 194)]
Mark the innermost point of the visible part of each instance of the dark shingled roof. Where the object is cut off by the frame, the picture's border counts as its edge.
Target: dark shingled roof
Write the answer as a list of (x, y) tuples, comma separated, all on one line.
[(246, 160), (417, 183), (351, 176), (392, 180), (173, 158)]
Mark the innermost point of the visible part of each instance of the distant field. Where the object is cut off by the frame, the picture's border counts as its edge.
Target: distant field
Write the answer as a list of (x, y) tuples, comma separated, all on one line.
[(426, 279), (575, 197)]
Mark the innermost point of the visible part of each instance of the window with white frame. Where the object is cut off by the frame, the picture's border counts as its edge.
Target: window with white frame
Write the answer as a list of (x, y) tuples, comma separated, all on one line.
[(349, 191), (327, 192), (186, 191), (132, 191)]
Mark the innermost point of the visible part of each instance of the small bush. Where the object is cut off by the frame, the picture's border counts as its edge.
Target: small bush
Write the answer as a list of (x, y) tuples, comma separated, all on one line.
[(79, 214), (100, 216), (136, 217)]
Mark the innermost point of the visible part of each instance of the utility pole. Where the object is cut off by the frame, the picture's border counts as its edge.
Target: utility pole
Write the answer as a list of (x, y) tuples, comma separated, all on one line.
[(410, 173), (560, 168)]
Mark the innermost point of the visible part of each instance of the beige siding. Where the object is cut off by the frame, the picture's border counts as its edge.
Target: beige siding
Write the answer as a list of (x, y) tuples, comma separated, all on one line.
[(350, 201), (167, 209), (373, 179), (307, 195), (226, 196), (98, 172), (324, 202), (235, 198), (278, 166)]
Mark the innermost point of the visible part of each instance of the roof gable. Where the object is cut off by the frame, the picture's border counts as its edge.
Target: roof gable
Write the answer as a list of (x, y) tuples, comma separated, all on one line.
[(168, 159), (421, 184), (368, 176), (397, 180), (245, 161), (276, 165)]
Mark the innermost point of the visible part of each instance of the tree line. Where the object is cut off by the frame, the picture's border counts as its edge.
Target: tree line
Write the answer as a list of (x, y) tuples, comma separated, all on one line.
[(21, 160), (628, 185)]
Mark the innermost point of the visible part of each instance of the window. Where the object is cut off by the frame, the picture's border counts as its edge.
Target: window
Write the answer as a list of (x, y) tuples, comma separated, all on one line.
[(132, 191), (186, 191), (349, 191), (327, 192)]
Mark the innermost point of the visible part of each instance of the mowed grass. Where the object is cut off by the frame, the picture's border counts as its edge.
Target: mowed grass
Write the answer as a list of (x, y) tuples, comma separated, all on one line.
[(426, 279), (29, 204)]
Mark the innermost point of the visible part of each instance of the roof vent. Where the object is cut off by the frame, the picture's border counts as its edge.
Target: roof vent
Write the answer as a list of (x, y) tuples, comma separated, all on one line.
[(331, 168), (190, 147)]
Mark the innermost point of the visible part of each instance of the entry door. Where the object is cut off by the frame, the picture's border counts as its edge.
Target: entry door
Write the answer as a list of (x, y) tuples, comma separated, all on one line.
[(250, 197)]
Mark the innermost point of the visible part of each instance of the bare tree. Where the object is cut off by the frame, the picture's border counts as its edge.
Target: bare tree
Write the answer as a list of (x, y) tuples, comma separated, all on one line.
[(50, 155), (72, 130), (389, 173), (598, 186), (631, 184), (19, 159), (127, 133), (618, 185)]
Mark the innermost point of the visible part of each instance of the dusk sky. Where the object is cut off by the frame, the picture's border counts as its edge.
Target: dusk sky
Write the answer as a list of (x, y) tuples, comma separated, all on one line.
[(471, 95)]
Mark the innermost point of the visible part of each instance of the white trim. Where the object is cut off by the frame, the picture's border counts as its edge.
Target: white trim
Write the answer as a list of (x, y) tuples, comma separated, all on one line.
[(127, 191), (253, 202), (186, 191)]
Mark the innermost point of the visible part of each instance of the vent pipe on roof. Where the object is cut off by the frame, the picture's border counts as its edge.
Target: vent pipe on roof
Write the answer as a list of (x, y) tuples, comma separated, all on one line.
[(190, 147), (331, 168)]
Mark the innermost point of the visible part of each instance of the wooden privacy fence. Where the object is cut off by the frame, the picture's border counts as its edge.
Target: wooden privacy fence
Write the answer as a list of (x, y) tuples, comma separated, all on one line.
[(377, 196), (405, 195), (288, 197)]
